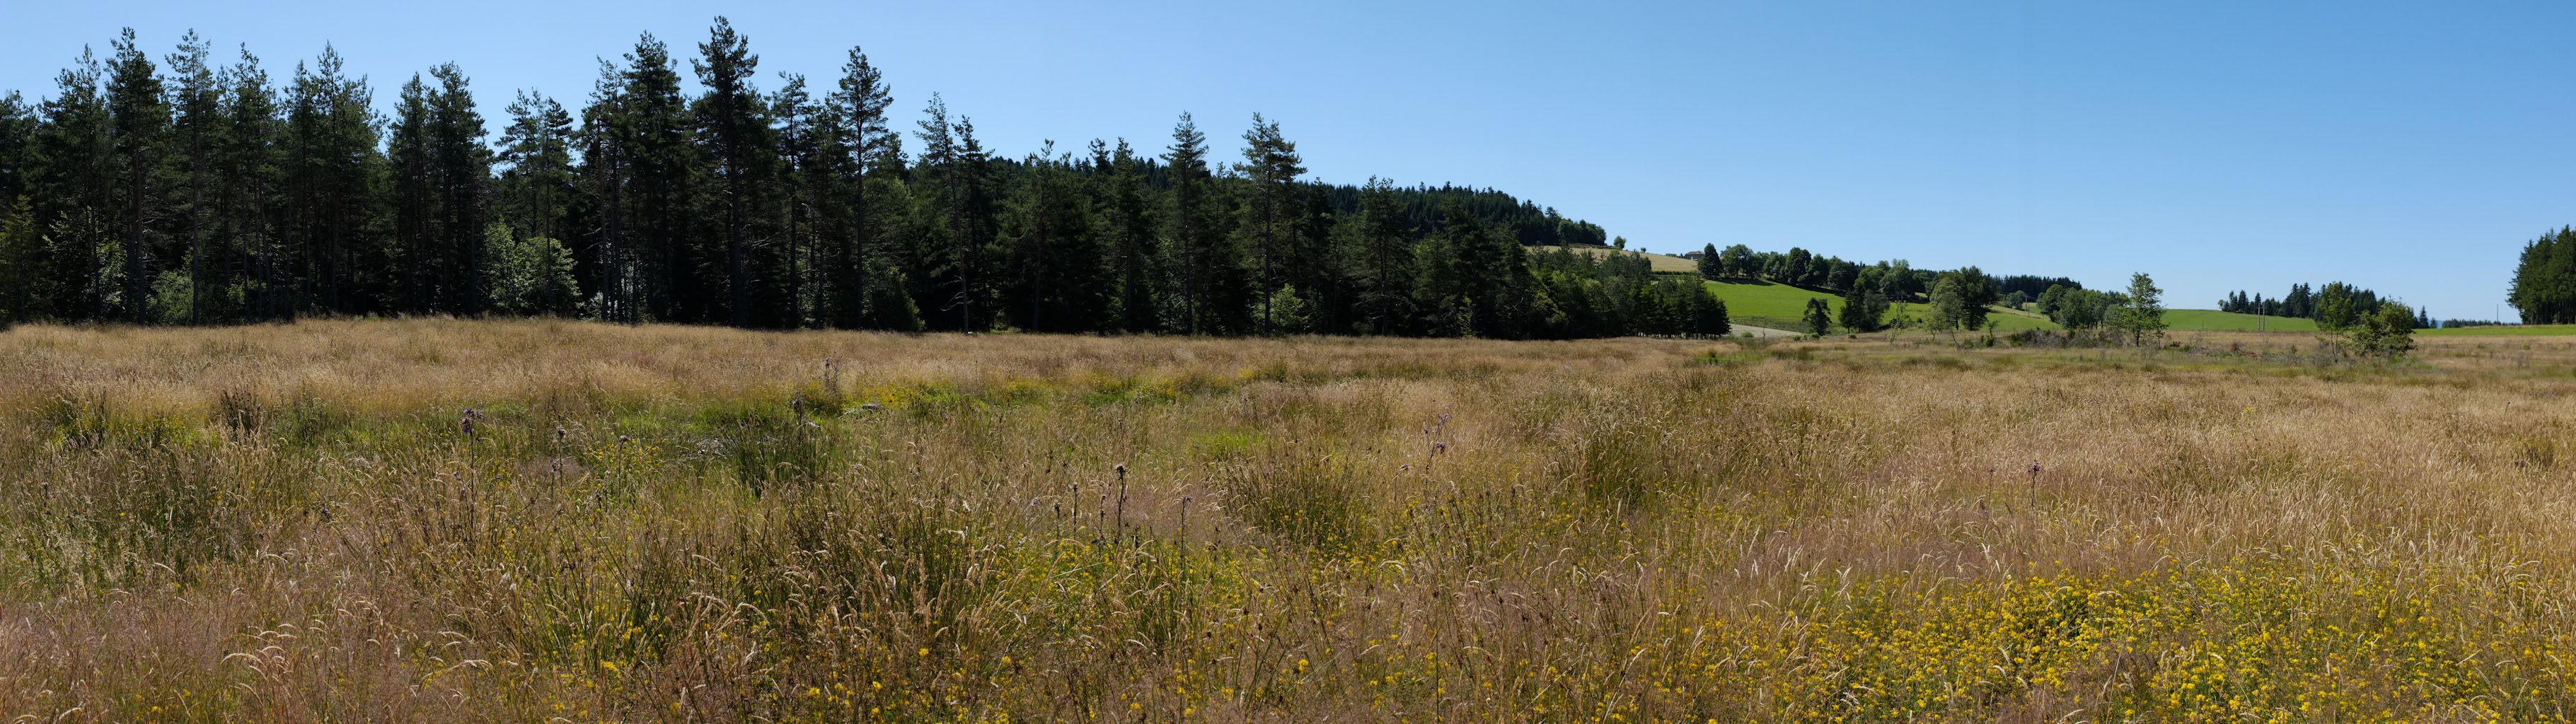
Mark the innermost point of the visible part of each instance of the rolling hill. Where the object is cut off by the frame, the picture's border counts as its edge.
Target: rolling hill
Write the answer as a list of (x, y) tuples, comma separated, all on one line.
[(1661, 263)]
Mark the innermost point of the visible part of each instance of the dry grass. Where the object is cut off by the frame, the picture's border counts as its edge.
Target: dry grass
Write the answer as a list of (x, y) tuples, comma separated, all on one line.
[(687, 524)]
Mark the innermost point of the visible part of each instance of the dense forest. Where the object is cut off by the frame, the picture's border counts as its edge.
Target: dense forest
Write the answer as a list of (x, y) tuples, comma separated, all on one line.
[(194, 191)]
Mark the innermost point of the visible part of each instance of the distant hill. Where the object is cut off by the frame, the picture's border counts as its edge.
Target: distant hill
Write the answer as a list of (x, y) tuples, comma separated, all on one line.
[(1662, 263), (1780, 306)]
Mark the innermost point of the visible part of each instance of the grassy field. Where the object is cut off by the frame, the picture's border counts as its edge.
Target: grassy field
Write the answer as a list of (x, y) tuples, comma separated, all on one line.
[(1780, 306), (305, 523), (1766, 304), (1655, 262), (2522, 330), (2210, 320)]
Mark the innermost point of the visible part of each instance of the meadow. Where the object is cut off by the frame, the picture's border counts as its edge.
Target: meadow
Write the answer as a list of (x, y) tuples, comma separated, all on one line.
[(540, 521)]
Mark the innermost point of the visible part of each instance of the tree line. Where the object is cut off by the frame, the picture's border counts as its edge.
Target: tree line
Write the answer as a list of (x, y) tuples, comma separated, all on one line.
[(188, 190), (2338, 306)]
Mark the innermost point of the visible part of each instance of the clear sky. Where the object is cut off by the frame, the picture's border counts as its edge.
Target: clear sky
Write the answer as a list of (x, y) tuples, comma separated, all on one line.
[(2411, 148)]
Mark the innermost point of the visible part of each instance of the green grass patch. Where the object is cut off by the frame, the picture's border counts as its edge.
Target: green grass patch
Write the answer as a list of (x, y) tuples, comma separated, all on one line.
[(1749, 300), (2014, 320)]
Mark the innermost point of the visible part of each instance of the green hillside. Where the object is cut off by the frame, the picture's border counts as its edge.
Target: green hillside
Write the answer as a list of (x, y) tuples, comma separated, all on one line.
[(2015, 320), (1767, 304), (1780, 306), (2210, 320), (1659, 262)]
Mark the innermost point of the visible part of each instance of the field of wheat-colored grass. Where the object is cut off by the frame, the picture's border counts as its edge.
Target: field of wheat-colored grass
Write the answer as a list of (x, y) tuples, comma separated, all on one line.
[(306, 523)]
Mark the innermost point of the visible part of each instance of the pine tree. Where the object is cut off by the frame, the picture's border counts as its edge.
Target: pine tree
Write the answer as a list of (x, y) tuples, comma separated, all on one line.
[(1387, 259), (2543, 289), (536, 149), (1270, 164), (861, 103), (252, 207), (142, 119), (72, 180), (22, 262), (331, 169), (463, 173), (657, 167), (2142, 314), (412, 178), (1210, 269), (1062, 281), (1321, 274), (810, 140), (733, 120), (198, 102), (954, 164), (18, 124), (604, 140), (1127, 219)]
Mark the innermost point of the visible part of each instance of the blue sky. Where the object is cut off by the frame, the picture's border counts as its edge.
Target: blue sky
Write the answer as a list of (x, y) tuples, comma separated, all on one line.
[(2411, 149)]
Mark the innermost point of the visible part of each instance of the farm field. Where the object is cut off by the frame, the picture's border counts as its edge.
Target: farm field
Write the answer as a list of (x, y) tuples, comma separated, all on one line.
[(657, 523)]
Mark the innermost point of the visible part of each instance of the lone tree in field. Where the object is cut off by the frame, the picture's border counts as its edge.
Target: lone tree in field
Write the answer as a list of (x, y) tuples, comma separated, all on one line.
[(1863, 309), (1820, 316), (2144, 312), (2336, 307), (1959, 299), (2387, 334)]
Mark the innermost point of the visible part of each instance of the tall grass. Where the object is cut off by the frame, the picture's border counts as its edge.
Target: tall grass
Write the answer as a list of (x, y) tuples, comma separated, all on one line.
[(292, 523)]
